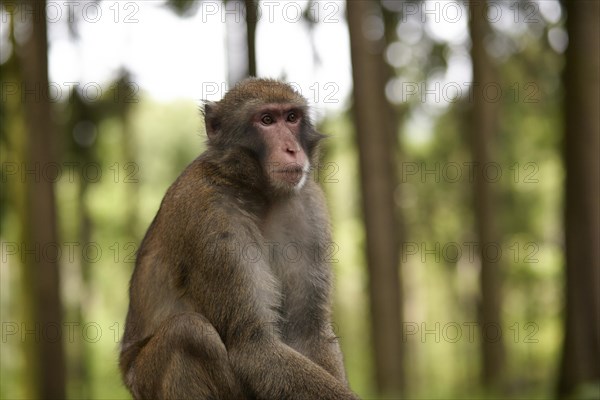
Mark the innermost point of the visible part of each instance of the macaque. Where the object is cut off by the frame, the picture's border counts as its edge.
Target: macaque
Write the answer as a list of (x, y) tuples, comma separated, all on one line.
[(230, 295)]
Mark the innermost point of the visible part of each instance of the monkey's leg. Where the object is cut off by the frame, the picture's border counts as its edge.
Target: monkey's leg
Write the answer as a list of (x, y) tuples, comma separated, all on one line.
[(185, 359)]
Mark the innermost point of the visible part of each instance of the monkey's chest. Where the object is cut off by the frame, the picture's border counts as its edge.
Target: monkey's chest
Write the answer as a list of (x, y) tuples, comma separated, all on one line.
[(292, 256), (290, 262), (290, 259)]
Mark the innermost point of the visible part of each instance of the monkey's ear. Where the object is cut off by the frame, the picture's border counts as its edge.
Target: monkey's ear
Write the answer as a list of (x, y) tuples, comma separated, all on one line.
[(212, 121)]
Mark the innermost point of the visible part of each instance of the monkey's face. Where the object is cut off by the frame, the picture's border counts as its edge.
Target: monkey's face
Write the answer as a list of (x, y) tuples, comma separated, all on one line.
[(279, 128), (269, 119)]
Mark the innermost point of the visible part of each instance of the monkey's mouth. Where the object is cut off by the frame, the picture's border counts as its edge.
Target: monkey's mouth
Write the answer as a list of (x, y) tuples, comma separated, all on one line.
[(292, 174)]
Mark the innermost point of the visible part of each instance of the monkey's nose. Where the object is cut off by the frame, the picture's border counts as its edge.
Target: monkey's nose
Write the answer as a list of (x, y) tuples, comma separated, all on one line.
[(293, 154)]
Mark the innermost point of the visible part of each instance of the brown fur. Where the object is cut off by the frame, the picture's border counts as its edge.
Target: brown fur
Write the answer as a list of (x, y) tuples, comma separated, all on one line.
[(230, 296)]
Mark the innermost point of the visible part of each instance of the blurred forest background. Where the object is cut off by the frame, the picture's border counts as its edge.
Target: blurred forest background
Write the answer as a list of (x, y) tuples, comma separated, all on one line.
[(465, 211)]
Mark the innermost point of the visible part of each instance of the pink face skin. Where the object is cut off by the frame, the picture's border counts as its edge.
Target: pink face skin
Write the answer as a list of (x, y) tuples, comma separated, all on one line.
[(286, 162)]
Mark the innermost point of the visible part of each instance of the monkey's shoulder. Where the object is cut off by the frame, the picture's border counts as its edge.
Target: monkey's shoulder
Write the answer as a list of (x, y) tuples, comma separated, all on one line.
[(197, 199), (199, 202), (198, 186)]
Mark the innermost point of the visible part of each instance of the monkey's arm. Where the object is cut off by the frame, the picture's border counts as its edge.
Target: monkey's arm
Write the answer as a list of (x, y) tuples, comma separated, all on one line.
[(275, 371), (326, 352), (239, 295), (323, 345)]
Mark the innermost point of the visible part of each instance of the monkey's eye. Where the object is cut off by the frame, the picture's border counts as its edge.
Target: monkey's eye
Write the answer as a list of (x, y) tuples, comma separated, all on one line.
[(267, 119), (292, 117)]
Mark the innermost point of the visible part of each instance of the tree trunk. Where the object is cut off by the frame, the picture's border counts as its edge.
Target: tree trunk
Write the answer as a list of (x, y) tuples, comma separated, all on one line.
[(251, 19), (580, 362), (13, 121), (241, 39), (42, 246), (375, 135), (483, 131)]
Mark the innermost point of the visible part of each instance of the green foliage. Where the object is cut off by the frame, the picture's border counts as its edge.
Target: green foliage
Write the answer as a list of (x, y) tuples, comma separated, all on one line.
[(440, 278)]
